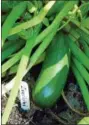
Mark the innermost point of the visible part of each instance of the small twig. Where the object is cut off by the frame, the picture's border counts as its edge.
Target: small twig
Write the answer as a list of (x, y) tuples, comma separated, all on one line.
[(74, 110), (57, 117)]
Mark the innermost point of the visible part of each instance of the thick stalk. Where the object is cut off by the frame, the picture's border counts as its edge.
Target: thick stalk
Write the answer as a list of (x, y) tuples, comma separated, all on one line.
[(18, 79)]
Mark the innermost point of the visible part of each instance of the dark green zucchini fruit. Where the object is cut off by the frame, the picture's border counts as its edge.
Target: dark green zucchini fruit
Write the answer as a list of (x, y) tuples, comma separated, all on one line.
[(52, 78)]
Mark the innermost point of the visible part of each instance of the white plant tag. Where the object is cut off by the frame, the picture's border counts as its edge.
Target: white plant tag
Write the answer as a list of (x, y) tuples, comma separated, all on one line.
[(24, 96)]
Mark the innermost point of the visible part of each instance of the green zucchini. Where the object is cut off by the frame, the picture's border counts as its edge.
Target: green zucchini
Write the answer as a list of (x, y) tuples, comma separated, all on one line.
[(53, 75)]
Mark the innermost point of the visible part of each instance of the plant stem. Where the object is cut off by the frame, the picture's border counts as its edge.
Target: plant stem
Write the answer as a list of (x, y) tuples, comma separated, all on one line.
[(56, 21), (82, 85), (77, 52), (19, 76), (12, 61), (34, 21), (13, 16), (16, 46), (85, 46), (84, 73), (14, 90)]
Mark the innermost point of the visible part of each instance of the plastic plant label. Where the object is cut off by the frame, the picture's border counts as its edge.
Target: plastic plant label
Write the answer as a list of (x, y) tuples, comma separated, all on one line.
[(24, 96)]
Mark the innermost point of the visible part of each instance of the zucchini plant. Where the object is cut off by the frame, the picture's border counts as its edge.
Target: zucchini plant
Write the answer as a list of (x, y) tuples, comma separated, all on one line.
[(53, 32)]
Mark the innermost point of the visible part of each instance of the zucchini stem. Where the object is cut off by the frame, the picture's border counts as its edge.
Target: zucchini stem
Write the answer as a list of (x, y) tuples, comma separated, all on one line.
[(82, 85)]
